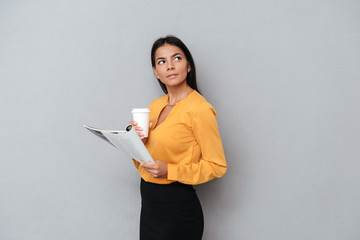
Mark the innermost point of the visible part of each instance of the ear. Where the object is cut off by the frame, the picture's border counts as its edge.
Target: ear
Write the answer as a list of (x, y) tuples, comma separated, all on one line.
[(155, 72), (188, 68)]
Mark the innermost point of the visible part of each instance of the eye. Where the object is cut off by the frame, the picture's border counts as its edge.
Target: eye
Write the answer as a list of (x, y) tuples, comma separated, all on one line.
[(178, 58), (161, 62)]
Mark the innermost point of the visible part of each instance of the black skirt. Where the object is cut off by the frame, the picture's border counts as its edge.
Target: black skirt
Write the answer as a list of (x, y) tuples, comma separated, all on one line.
[(170, 212)]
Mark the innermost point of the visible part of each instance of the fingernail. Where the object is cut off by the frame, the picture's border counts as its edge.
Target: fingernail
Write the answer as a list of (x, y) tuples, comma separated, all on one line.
[(141, 137), (140, 129)]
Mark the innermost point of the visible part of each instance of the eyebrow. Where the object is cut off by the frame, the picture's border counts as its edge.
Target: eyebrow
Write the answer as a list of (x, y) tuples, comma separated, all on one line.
[(160, 58)]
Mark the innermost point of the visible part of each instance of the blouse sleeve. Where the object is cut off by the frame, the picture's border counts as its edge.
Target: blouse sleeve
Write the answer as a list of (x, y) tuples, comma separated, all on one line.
[(212, 163)]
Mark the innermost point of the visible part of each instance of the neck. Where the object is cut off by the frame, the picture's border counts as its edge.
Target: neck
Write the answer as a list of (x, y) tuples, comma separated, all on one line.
[(176, 94)]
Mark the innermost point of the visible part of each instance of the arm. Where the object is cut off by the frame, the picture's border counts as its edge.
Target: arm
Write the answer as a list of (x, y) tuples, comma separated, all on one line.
[(212, 163)]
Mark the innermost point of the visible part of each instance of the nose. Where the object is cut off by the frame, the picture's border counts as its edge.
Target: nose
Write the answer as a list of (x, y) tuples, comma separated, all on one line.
[(170, 65)]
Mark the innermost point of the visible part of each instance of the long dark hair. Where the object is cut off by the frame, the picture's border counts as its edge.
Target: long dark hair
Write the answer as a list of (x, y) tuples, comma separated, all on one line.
[(191, 76)]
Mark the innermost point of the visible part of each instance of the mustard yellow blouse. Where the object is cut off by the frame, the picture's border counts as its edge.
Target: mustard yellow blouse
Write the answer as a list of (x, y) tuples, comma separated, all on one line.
[(188, 140)]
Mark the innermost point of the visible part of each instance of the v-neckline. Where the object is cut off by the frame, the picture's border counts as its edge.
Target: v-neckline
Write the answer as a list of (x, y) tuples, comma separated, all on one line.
[(156, 126), (157, 119)]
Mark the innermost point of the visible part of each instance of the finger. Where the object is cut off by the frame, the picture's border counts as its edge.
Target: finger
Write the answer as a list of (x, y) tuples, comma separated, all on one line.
[(159, 163), (141, 135), (134, 123), (138, 128), (154, 173), (150, 166), (144, 164)]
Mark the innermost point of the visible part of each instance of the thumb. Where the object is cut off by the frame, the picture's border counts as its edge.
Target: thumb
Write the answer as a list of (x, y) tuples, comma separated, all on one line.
[(150, 125)]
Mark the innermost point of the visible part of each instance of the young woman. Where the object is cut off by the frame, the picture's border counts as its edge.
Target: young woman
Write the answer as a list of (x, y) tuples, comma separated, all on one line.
[(185, 143)]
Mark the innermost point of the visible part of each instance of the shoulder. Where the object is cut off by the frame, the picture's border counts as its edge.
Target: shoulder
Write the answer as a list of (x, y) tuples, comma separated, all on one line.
[(201, 107), (158, 102)]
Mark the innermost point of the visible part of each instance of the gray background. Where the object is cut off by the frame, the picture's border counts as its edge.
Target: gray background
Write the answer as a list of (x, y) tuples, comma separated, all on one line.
[(283, 76)]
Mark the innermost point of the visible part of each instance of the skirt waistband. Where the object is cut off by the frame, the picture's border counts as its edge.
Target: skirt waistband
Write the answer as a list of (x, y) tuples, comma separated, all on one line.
[(173, 192)]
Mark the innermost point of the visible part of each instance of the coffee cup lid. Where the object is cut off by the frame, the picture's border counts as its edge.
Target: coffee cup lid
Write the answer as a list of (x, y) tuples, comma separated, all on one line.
[(138, 110)]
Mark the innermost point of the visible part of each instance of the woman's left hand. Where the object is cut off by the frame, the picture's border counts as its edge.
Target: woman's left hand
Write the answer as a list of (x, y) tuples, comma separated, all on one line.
[(158, 169)]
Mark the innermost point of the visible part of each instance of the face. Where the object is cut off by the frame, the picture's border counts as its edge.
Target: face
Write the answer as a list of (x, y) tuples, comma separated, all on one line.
[(171, 65)]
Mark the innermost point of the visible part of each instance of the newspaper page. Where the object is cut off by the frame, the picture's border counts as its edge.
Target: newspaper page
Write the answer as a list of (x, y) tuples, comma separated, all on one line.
[(128, 141)]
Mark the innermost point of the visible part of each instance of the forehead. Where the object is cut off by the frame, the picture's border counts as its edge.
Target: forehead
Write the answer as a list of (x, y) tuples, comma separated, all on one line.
[(167, 50)]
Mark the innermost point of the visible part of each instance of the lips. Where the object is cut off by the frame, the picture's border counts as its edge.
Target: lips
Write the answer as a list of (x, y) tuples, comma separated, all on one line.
[(172, 75)]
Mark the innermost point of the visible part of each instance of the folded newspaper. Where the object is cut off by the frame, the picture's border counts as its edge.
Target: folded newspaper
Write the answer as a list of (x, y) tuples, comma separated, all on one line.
[(128, 141)]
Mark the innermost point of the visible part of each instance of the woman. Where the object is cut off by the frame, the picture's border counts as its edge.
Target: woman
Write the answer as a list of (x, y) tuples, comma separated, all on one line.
[(185, 141)]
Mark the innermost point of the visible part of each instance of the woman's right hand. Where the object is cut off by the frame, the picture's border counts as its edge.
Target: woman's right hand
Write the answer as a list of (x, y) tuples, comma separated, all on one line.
[(139, 129)]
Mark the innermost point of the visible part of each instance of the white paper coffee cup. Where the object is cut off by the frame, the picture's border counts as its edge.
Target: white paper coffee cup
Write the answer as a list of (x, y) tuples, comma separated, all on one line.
[(141, 116)]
